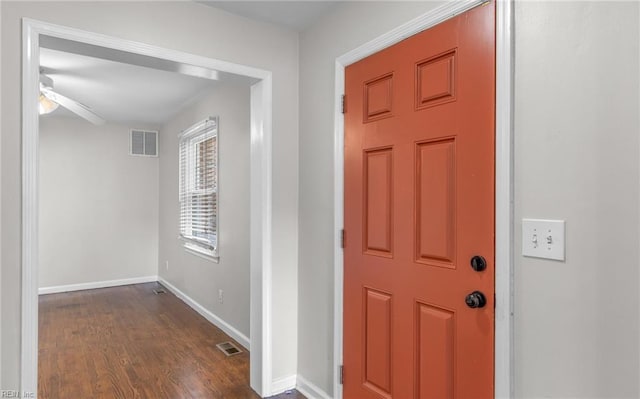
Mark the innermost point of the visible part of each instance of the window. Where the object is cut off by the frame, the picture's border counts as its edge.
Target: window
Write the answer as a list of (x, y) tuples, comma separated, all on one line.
[(199, 187)]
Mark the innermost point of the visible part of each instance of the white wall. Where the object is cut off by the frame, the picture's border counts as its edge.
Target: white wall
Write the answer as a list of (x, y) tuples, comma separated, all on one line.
[(199, 278), (98, 204), (192, 28), (577, 158)]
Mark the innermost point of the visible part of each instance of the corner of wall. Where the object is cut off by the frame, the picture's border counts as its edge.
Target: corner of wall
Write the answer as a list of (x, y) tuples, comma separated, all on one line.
[(1, 317), (283, 384), (0, 207), (638, 335), (309, 389)]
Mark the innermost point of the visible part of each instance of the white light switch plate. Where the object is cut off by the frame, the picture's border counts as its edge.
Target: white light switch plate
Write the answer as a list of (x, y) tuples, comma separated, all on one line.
[(543, 238)]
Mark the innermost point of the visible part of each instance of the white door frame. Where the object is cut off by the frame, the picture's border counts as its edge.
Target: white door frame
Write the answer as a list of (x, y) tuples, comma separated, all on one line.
[(504, 178), (260, 202)]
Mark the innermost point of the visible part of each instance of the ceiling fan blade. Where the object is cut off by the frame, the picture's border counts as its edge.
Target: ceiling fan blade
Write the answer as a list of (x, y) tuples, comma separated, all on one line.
[(73, 106)]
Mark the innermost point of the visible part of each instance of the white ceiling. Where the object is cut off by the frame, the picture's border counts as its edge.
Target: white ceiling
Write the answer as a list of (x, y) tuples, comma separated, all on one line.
[(121, 92), (296, 15)]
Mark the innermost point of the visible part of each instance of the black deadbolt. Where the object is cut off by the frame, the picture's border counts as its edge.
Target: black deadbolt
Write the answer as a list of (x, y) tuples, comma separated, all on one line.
[(478, 263), (476, 300)]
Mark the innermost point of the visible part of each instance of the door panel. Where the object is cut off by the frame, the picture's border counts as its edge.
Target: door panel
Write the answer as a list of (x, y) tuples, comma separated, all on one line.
[(378, 201), (377, 341), (378, 98), (435, 371), (436, 79), (419, 203), (435, 202)]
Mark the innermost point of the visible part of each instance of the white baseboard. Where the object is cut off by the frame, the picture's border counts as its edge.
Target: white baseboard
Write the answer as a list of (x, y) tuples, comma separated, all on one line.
[(283, 384), (212, 318), (310, 390), (96, 284)]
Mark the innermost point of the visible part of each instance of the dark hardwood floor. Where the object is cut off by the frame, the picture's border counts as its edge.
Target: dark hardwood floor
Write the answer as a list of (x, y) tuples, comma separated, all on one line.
[(129, 343)]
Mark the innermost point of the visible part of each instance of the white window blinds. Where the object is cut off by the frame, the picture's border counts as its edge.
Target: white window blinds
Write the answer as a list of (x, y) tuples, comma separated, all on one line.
[(199, 185)]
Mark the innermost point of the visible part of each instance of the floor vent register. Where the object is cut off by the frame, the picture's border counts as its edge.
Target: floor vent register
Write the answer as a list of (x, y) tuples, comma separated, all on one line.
[(229, 349)]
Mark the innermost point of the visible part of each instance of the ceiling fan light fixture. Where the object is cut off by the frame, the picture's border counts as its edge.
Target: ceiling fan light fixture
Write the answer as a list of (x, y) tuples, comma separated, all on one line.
[(46, 106)]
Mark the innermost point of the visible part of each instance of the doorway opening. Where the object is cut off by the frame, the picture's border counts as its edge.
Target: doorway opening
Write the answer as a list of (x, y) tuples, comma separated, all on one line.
[(35, 34)]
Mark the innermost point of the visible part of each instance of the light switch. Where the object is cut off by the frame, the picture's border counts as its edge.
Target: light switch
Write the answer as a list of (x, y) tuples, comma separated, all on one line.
[(543, 238)]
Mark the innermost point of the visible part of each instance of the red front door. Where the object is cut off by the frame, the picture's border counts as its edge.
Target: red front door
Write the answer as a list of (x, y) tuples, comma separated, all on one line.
[(419, 206)]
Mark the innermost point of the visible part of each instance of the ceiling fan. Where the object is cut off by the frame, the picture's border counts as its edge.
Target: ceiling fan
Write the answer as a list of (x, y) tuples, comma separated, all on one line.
[(49, 100)]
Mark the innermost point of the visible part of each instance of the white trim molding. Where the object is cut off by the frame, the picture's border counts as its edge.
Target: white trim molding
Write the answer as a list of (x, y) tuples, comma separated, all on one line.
[(260, 202), (210, 316), (504, 181), (504, 329), (96, 284), (30, 151), (260, 236), (310, 390)]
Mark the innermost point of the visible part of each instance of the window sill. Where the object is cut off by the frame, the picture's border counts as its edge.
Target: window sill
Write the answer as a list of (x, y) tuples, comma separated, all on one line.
[(201, 252)]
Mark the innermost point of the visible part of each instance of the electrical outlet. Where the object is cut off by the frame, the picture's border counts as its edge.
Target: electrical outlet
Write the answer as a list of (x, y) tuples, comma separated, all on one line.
[(166, 263), (220, 296)]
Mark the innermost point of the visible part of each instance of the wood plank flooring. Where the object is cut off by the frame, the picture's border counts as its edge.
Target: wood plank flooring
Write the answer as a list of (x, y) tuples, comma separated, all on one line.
[(129, 343)]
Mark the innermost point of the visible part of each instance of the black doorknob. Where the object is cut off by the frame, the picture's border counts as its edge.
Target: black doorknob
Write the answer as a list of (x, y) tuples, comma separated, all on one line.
[(478, 263), (476, 300)]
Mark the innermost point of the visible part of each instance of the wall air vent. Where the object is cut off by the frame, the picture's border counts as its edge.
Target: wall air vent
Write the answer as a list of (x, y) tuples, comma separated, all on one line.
[(143, 143)]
